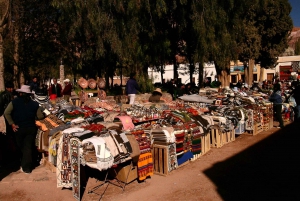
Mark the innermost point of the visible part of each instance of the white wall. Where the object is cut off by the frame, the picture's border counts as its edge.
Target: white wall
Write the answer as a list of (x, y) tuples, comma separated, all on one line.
[(208, 71)]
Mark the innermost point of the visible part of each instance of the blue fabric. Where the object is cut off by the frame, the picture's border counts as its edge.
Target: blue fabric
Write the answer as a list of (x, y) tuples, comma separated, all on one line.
[(23, 113), (276, 97), (184, 157), (132, 86)]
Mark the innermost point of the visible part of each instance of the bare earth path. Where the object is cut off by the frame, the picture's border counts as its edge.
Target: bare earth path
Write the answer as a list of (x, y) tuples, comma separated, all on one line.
[(261, 167)]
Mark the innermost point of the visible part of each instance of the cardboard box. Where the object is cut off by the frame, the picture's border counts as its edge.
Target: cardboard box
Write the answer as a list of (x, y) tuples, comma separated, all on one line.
[(129, 170)]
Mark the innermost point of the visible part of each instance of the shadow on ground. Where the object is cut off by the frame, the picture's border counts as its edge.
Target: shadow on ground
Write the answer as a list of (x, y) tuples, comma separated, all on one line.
[(269, 170)]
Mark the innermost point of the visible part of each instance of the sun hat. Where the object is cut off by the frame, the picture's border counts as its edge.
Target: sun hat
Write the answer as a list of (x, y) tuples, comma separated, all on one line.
[(67, 80), (82, 82), (25, 89), (158, 90), (92, 83)]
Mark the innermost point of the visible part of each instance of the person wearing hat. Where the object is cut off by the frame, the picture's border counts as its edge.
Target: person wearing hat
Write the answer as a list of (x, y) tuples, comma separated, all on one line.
[(21, 114), (156, 95), (67, 90)]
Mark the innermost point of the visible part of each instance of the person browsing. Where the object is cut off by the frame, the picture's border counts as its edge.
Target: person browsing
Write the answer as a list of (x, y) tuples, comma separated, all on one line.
[(132, 88)]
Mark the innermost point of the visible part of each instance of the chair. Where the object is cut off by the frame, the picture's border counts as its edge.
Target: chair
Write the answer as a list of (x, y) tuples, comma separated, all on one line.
[(120, 175)]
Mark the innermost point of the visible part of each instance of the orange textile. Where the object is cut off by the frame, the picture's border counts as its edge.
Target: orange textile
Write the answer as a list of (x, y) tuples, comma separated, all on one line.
[(145, 166)]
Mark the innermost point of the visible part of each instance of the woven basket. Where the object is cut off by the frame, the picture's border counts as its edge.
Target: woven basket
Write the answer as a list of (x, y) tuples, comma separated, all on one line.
[(101, 94), (83, 83), (92, 83), (101, 83)]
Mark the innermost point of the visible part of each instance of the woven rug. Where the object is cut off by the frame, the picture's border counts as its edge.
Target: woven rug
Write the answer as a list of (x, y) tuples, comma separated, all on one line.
[(75, 144), (63, 169)]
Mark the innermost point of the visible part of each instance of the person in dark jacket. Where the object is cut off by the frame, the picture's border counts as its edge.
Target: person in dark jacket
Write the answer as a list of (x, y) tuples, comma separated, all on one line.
[(21, 114), (34, 85), (239, 84), (55, 88), (6, 138), (132, 88), (6, 96), (277, 103)]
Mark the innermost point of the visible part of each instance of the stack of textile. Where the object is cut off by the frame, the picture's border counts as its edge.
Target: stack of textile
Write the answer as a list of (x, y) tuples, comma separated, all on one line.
[(180, 136), (145, 163), (196, 139), (45, 128), (163, 135)]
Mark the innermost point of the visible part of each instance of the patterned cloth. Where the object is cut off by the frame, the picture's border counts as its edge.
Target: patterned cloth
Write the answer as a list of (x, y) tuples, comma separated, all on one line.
[(104, 157), (145, 166), (63, 169), (75, 144)]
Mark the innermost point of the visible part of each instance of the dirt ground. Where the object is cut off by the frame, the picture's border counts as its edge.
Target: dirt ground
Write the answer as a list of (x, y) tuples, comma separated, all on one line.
[(260, 167)]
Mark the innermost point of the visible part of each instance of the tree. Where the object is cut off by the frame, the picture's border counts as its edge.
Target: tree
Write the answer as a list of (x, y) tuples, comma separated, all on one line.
[(274, 25), (4, 12)]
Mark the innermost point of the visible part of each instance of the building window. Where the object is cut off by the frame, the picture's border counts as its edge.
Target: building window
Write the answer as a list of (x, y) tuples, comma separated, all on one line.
[(233, 78), (254, 77)]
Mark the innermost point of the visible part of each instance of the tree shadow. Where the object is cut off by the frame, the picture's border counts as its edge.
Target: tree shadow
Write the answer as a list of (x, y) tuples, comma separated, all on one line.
[(269, 170)]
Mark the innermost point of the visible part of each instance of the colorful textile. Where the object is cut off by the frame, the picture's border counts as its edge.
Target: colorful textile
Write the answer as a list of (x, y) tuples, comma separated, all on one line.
[(63, 168), (75, 166), (145, 166), (126, 122), (135, 147), (104, 157), (184, 157)]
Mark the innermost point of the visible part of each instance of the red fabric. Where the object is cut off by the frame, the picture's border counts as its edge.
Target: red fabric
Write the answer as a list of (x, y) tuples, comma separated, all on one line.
[(67, 90)]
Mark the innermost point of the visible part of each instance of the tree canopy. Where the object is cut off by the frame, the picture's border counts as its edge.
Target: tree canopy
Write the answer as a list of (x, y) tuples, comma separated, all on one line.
[(99, 38)]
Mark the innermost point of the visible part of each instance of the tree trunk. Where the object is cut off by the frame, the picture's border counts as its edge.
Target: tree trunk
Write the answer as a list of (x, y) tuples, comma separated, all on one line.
[(200, 74), (17, 80), (161, 73), (2, 87), (250, 71), (175, 69), (261, 74), (224, 78)]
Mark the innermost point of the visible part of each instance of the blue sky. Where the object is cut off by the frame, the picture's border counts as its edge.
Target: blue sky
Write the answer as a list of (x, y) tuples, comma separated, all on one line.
[(295, 14)]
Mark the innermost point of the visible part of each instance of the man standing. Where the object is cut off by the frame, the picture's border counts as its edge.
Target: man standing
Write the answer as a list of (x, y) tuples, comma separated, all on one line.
[(34, 85), (21, 114), (67, 90), (55, 88), (132, 88)]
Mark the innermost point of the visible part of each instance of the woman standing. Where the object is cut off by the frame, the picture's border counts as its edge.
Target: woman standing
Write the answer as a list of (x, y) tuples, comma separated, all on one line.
[(21, 114)]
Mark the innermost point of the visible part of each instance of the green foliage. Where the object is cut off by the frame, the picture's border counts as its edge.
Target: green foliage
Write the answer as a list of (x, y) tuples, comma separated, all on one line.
[(95, 38), (145, 84)]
